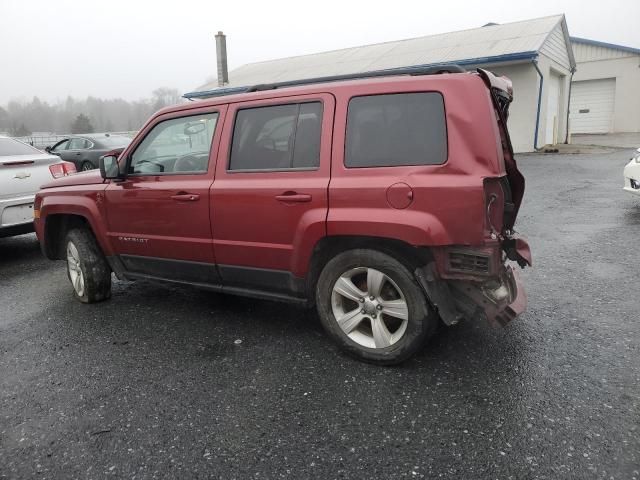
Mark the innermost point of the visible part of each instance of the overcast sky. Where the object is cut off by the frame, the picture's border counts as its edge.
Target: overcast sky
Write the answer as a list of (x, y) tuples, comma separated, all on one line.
[(108, 49)]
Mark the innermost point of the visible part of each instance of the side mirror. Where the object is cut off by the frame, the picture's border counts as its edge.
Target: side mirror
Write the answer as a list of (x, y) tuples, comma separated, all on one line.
[(47, 149), (109, 168)]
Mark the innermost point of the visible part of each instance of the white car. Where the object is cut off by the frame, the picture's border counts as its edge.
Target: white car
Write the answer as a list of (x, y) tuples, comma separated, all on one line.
[(23, 169), (632, 174)]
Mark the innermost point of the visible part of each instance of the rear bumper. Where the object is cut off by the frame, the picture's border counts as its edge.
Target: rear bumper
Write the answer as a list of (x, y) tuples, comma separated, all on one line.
[(501, 310), (497, 295), (519, 303), (9, 222), (14, 230), (499, 300)]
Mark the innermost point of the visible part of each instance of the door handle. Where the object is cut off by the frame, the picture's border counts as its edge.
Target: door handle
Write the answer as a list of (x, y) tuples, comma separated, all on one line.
[(185, 197), (293, 197)]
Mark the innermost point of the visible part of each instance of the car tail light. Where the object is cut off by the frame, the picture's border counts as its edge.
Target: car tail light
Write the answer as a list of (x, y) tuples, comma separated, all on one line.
[(62, 169), (494, 206)]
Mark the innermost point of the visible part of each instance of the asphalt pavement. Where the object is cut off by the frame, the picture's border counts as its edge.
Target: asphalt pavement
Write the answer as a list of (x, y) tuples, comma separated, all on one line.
[(171, 382)]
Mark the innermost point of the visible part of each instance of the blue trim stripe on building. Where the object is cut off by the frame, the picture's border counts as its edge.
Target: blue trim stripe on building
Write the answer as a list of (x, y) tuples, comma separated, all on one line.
[(596, 43), (509, 57)]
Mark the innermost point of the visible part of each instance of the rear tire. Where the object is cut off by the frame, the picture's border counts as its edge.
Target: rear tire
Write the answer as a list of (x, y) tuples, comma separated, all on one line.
[(373, 308), (87, 268), (86, 166)]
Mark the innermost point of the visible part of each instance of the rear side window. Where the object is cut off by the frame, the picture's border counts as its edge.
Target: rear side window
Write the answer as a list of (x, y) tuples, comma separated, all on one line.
[(397, 129), (77, 144), (281, 137)]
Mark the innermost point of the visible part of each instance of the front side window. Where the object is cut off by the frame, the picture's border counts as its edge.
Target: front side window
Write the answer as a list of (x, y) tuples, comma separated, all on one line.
[(61, 146), (179, 145), (281, 137), (396, 129)]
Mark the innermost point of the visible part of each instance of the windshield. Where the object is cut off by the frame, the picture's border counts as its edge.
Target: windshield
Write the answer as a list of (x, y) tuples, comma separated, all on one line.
[(9, 146), (113, 141)]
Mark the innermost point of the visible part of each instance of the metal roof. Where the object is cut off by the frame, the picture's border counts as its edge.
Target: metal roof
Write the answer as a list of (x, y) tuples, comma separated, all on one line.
[(509, 42), (596, 43)]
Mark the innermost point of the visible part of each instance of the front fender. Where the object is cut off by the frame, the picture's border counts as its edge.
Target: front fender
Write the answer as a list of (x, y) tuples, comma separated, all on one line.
[(86, 206)]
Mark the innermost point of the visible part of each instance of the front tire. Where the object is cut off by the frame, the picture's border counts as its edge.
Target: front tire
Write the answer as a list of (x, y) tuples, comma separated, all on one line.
[(87, 268), (86, 166), (372, 307)]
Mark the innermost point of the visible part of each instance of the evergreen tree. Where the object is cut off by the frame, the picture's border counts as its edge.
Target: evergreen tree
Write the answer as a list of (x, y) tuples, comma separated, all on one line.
[(81, 124)]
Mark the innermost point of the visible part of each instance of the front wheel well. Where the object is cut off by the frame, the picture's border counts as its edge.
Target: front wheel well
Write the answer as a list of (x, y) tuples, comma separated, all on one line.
[(55, 230), (328, 247)]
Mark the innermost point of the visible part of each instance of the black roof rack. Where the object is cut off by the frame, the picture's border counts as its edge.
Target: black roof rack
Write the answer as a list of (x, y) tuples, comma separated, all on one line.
[(420, 70)]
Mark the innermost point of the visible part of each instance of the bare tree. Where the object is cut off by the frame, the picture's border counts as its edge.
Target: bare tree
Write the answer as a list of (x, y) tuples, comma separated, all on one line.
[(105, 114), (163, 97)]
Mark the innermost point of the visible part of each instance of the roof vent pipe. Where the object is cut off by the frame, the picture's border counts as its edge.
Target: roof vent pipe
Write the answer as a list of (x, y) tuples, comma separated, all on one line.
[(221, 56)]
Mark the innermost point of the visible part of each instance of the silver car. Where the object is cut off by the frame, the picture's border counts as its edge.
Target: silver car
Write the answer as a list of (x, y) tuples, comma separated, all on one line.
[(23, 169)]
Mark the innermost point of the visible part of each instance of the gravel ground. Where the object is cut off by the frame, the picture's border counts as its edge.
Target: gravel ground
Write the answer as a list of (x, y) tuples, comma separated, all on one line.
[(166, 382)]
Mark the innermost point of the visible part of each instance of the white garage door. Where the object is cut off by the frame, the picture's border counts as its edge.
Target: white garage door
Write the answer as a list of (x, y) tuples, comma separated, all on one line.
[(592, 106)]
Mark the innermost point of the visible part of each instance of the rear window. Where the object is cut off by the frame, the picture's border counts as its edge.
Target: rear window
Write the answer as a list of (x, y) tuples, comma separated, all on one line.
[(396, 129), (112, 141), (9, 146), (279, 137)]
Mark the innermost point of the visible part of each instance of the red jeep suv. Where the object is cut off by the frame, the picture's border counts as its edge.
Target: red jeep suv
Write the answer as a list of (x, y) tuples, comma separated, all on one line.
[(387, 201)]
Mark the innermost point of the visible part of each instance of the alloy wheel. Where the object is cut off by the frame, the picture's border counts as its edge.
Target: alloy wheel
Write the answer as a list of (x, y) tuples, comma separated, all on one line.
[(369, 307), (75, 272)]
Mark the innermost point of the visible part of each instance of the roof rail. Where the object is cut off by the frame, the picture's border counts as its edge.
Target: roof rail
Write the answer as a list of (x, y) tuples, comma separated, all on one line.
[(419, 70)]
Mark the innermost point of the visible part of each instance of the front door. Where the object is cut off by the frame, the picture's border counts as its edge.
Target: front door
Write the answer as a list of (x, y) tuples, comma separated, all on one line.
[(60, 147), (269, 200), (158, 217)]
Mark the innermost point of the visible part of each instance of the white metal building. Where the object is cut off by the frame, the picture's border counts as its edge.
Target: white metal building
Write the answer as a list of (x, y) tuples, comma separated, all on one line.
[(605, 92), (536, 54)]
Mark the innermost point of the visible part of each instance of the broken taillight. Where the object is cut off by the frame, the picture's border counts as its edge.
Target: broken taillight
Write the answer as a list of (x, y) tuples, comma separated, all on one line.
[(494, 195), (62, 169)]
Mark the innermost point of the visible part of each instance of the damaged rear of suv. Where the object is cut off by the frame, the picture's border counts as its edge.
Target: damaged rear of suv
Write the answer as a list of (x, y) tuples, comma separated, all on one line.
[(387, 200), (471, 281)]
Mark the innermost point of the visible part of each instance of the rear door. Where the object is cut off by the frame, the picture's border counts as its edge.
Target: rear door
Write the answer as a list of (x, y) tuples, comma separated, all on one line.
[(269, 199), (74, 151), (158, 217)]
